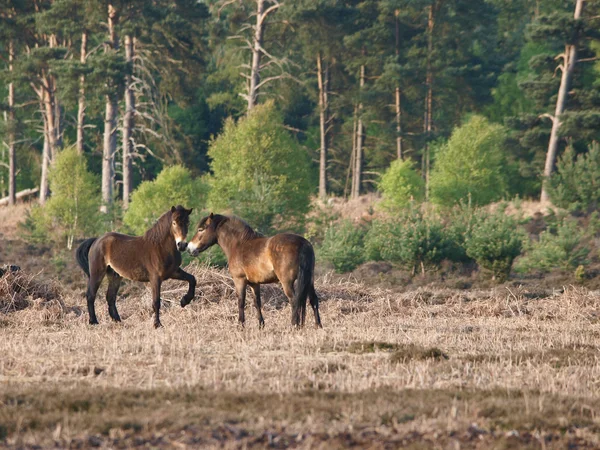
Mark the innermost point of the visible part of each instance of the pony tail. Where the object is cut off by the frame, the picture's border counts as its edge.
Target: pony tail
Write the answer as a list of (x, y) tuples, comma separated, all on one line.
[(82, 255), (305, 280)]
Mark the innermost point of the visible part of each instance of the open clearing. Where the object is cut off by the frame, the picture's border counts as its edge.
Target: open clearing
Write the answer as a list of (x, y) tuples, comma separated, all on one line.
[(430, 368)]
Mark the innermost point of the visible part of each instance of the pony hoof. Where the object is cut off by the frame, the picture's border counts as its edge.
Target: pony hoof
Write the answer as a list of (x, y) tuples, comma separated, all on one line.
[(184, 302), (158, 325), (93, 322)]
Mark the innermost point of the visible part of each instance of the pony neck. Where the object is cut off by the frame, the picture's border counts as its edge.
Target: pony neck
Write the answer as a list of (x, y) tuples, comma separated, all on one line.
[(229, 237), (161, 230)]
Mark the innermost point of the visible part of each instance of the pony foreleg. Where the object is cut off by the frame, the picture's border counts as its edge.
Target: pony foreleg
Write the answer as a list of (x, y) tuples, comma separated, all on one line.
[(180, 274), (257, 304), (155, 284), (288, 289), (240, 289)]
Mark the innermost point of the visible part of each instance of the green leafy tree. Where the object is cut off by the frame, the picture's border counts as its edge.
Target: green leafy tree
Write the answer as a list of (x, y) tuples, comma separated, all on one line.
[(173, 186), (73, 208), (401, 184), (471, 165), (260, 172)]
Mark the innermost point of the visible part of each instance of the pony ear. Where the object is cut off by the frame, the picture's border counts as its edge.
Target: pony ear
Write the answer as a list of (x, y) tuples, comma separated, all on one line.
[(173, 209), (211, 215), (189, 211)]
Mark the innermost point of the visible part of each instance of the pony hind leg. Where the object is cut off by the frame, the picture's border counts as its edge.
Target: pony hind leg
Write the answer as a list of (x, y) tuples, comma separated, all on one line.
[(96, 277), (114, 282), (288, 289), (258, 304), (314, 302)]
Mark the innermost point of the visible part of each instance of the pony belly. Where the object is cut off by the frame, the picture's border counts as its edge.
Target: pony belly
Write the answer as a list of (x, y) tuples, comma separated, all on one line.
[(134, 273)]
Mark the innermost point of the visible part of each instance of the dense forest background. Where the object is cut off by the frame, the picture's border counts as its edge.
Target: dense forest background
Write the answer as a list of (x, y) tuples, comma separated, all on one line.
[(257, 105)]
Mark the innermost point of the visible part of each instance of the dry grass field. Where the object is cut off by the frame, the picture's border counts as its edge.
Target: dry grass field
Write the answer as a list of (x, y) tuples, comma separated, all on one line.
[(497, 368)]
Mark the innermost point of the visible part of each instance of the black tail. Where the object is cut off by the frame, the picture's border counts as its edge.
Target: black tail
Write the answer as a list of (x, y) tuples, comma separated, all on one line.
[(305, 281), (82, 255)]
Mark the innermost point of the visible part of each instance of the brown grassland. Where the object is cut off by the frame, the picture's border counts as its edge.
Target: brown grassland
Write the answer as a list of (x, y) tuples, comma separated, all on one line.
[(428, 368)]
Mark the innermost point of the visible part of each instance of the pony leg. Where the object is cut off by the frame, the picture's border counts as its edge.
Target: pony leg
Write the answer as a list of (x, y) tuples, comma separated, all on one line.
[(155, 285), (114, 282), (96, 278), (180, 274), (314, 302), (240, 289), (257, 303), (288, 289)]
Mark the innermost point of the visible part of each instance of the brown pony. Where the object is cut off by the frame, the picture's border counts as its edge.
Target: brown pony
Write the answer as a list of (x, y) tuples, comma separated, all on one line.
[(254, 259), (153, 257)]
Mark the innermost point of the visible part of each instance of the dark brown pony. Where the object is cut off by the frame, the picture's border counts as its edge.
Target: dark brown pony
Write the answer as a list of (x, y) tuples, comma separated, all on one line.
[(255, 259), (153, 257)]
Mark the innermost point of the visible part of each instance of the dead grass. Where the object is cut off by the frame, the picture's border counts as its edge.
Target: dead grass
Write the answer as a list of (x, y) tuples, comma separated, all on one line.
[(482, 368)]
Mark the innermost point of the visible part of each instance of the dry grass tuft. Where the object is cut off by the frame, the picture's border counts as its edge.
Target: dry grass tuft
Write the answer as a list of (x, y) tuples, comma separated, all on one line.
[(20, 290)]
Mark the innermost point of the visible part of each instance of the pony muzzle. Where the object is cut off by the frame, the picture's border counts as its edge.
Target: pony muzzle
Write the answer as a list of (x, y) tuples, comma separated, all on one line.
[(182, 245)]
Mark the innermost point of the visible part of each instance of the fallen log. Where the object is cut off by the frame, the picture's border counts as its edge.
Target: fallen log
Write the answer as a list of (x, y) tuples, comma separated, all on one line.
[(20, 195)]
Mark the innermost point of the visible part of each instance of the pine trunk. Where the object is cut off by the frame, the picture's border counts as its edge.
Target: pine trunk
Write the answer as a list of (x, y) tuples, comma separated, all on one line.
[(12, 186), (358, 159), (427, 123), (568, 66), (128, 123), (44, 188), (110, 123), (256, 54), (81, 103), (398, 109), (323, 112)]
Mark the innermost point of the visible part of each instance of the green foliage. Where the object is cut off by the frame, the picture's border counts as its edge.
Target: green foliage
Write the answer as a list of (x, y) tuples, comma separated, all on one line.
[(173, 186), (471, 165), (411, 240), (494, 242), (401, 184), (564, 246), (343, 246), (35, 226), (260, 172), (576, 184), (73, 209)]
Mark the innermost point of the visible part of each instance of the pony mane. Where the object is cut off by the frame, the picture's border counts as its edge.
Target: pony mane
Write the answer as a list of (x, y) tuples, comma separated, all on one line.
[(160, 229), (238, 227)]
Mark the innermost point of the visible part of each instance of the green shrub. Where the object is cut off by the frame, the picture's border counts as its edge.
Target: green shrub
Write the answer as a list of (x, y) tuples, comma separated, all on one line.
[(564, 246), (471, 165), (73, 209), (173, 186), (401, 184), (576, 184), (411, 240), (494, 242), (343, 246), (260, 172)]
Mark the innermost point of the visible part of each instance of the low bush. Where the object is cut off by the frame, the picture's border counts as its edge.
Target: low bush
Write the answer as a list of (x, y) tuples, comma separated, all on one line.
[(564, 246), (412, 240), (343, 246), (401, 184), (494, 242)]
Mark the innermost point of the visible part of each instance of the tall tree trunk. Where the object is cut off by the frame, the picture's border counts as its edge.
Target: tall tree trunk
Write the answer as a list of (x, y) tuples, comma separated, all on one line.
[(352, 155), (44, 188), (128, 123), (81, 103), (568, 66), (110, 122), (323, 81), (427, 123), (12, 186), (398, 109), (51, 109), (256, 55), (358, 160), (257, 50)]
